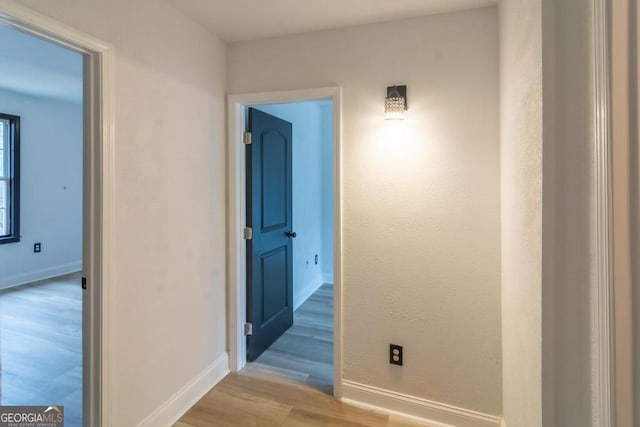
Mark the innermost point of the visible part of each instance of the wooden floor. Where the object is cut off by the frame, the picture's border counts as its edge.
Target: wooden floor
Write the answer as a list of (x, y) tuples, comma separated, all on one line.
[(261, 396), (290, 384), (41, 346), (305, 351)]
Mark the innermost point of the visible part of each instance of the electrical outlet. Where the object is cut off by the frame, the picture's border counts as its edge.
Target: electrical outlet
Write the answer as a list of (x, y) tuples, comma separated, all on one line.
[(316, 259), (395, 354), (37, 247)]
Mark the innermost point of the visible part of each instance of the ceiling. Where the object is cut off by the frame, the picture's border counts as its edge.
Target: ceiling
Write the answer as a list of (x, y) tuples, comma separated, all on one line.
[(235, 20), (35, 67), (39, 68)]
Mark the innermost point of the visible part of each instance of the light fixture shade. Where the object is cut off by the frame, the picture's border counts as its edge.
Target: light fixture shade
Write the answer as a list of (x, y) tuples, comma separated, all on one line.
[(395, 104)]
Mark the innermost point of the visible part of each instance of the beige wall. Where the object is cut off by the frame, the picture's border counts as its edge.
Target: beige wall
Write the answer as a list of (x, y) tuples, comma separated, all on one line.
[(169, 284), (521, 145), (421, 197)]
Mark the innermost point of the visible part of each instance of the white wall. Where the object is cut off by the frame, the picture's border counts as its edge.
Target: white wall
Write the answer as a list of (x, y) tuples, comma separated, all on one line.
[(421, 197), (312, 198), (521, 135), (51, 189), (169, 269)]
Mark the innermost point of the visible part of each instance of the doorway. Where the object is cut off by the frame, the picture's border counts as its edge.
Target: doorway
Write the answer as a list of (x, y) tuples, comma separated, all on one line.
[(96, 164), (290, 253), (41, 232), (238, 105)]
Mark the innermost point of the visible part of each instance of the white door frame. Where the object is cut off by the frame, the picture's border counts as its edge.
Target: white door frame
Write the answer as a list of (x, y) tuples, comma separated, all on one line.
[(602, 292), (236, 213), (98, 166)]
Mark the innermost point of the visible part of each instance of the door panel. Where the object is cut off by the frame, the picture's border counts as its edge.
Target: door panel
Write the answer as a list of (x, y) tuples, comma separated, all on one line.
[(274, 180), (274, 297), (269, 214)]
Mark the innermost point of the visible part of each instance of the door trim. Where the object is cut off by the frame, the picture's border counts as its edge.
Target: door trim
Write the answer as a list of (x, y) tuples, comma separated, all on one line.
[(624, 174), (602, 310), (98, 185), (236, 193)]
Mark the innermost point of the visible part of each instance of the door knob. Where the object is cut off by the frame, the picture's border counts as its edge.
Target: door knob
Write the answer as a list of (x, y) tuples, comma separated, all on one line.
[(291, 234)]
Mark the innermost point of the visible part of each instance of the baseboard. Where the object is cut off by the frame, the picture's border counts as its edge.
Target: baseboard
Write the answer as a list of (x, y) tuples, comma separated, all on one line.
[(173, 409), (304, 294), (422, 410), (41, 274)]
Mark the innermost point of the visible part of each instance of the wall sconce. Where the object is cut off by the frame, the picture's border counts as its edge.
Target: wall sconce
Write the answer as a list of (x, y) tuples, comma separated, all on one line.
[(395, 104)]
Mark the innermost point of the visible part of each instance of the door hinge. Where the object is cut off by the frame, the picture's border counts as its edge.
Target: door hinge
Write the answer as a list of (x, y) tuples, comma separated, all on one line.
[(248, 233), (84, 283), (248, 328), (247, 138)]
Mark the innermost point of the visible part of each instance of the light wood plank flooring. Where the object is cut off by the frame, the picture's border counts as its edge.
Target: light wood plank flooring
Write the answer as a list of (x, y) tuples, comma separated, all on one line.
[(305, 351), (41, 346), (290, 384), (263, 396)]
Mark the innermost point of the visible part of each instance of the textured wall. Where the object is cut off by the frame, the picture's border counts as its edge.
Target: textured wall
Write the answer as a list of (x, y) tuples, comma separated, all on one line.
[(521, 177), (421, 197), (169, 267), (548, 216)]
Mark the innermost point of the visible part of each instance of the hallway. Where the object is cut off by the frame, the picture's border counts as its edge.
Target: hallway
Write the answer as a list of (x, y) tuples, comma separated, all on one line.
[(263, 396)]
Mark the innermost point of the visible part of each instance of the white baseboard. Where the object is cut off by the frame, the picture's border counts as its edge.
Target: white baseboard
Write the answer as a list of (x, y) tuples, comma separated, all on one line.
[(170, 411), (41, 274), (303, 294), (422, 410)]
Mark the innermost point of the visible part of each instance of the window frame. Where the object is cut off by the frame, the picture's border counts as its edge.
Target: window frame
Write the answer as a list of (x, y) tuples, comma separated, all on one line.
[(14, 179)]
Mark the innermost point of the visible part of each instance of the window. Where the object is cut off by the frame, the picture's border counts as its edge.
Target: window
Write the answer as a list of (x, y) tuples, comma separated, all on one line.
[(9, 178)]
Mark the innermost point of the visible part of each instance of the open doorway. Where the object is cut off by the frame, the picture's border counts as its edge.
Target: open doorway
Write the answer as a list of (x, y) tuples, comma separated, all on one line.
[(41, 224), (289, 203), (237, 180), (96, 217), (41, 230)]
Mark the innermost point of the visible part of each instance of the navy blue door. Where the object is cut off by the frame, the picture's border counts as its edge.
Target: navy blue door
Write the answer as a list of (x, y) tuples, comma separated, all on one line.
[(269, 257)]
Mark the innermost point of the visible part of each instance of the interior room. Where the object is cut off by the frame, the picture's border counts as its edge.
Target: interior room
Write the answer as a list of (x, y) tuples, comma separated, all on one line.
[(484, 233), (305, 350), (41, 211)]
